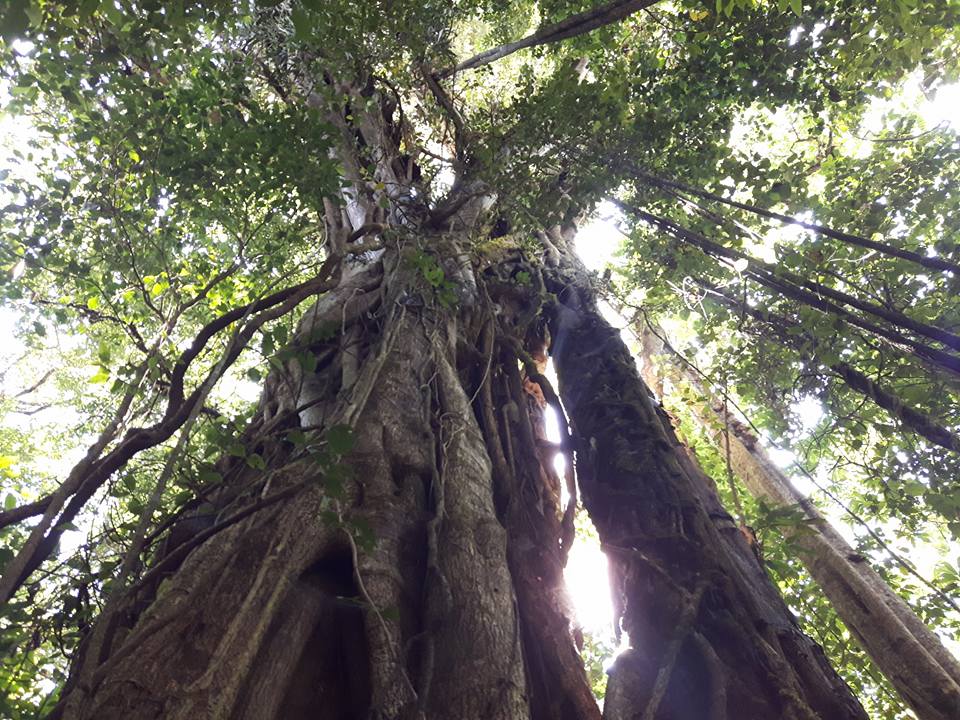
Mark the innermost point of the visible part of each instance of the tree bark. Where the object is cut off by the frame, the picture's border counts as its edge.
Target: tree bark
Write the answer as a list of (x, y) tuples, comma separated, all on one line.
[(458, 608), (908, 653), (287, 613), (418, 573), (396, 551), (710, 636)]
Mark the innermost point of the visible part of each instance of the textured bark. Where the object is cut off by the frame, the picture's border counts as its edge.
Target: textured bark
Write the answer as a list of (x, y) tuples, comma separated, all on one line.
[(458, 609), (276, 609), (283, 615), (709, 635), (908, 653), (270, 604)]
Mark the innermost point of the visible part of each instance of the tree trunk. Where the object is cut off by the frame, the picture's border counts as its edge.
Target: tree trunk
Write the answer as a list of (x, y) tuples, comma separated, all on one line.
[(411, 565), (288, 613), (457, 608), (911, 656), (709, 635)]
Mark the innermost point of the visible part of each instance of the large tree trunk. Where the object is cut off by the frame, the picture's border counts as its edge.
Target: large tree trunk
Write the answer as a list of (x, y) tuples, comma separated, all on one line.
[(288, 613), (417, 571), (709, 635), (457, 609), (908, 653)]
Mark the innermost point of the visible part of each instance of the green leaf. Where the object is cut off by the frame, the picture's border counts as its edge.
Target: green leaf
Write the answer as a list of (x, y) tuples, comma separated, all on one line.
[(340, 439), (101, 376), (333, 482), (15, 18), (87, 8), (210, 477), (363, 534), (34, 13), (308, 361), (914, 489), (6, 555), (297, 437), (302, 25)]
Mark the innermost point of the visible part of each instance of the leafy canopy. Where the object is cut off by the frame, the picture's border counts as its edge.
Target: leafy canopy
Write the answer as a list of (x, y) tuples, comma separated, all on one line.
[(168, 162)]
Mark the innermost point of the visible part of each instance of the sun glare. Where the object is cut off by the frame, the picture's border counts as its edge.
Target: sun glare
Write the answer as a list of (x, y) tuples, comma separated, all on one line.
[(586, 578)]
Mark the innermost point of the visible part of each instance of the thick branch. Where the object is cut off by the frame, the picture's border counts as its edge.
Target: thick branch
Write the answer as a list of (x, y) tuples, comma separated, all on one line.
[(781, 281), (22, 512), (93, 471), (931, 263), (913, 419), (575, 25)]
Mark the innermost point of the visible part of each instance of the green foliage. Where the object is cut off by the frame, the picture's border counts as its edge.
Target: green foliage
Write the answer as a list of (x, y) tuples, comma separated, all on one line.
[(170, 164), (596, 653), (441, 288)]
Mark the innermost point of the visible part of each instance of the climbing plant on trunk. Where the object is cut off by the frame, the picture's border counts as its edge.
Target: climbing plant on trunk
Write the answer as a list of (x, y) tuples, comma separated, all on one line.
[(384, 533)]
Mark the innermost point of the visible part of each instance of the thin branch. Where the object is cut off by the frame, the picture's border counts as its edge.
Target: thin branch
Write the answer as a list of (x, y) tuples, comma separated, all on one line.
[(881, 311), (775, 280), (95, 316), (444, 100), (182, 550), (942, 125), (912, 418), (93, 471), (22, 512), (36, 385)]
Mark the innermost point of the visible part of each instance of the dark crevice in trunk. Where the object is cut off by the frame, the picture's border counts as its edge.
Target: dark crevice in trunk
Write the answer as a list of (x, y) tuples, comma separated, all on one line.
[(317, 643), (510, 407)]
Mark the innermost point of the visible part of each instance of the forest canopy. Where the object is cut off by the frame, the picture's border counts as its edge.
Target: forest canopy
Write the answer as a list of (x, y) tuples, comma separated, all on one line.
[(779, 179)]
